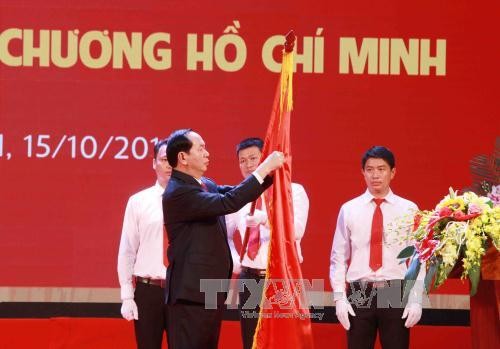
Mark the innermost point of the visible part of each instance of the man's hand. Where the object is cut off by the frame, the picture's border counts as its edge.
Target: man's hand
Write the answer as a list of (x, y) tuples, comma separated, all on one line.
[(412, 314), (342, 309), (258, 217), (274, 161), (129, 310), (236, 268)]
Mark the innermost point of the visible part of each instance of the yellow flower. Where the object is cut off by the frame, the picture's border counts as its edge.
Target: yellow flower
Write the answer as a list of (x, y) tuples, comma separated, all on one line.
[(449, 252), (457, 234), (474, 250), (455, 203)]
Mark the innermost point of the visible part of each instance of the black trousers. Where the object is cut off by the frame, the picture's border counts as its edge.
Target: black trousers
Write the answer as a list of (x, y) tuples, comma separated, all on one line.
[(248, 316), (192, 326), (150, 300), (377, 309)]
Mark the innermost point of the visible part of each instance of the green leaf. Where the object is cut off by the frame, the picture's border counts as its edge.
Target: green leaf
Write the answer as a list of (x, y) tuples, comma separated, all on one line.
[(452, 193), (442, 273), (429, 276), (407, 252), (413, 269), (474, 276)]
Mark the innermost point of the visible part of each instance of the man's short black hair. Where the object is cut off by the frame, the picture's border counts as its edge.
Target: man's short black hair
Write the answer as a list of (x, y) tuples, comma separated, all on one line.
[(379, 152), (158, 145), (249, 142), (177, 142)]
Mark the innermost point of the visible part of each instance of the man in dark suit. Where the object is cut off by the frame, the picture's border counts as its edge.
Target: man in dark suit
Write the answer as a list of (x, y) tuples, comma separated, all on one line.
[(194, 209)]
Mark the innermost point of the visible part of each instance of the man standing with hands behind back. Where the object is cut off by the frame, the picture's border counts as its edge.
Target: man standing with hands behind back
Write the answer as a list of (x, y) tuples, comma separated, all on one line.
[(364, 257), (141, 268), (194, 209)]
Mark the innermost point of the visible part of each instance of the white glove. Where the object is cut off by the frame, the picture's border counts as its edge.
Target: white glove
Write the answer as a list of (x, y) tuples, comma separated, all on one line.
[(259, 217), (129, 310), (342, 309), (412, 314), (236, 268), (274, 161)]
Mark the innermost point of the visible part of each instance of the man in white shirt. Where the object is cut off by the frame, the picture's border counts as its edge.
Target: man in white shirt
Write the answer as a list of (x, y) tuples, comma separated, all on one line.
[(141, 268), (365, 274), (254, 263)]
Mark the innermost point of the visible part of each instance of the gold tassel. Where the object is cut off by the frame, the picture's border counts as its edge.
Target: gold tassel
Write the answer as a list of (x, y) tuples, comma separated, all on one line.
[(286, 92)]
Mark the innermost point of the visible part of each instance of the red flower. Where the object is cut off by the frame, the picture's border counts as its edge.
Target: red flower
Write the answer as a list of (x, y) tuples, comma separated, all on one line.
[(432, 222), (416, 221), (460, 216), (445, 212), (426, 248)]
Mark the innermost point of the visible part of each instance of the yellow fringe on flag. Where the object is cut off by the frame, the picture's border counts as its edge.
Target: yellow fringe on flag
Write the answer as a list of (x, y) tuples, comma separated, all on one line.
[(286, 93)]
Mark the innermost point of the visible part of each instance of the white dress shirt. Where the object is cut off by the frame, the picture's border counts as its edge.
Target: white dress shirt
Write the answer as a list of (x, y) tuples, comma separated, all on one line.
[(352, 241), (141, 245), (236, 221)]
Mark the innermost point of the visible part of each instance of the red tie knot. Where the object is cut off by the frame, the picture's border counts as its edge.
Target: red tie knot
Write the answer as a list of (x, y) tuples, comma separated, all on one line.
[(378, 202)]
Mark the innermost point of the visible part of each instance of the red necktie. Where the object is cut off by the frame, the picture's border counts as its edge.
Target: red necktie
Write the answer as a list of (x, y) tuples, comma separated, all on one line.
[(254, 236), (237, 240), (376, 238), (165, 246)]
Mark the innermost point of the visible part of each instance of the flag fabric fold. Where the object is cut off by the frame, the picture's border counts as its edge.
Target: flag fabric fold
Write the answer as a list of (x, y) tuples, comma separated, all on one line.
[(284, 320)]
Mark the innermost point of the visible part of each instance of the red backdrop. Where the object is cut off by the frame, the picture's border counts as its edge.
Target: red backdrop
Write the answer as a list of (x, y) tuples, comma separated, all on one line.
[(61, 213)]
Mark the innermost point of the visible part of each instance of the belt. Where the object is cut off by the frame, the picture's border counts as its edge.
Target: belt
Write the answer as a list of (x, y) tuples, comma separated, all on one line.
[(376, 284), (253, 271), (149, 281)]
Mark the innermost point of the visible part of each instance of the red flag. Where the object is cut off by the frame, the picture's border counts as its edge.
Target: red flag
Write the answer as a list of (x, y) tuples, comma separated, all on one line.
[(284, 320)]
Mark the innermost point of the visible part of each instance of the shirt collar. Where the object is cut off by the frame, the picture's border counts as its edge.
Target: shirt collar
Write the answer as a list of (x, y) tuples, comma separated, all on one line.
[(158, 188), (389, 198)]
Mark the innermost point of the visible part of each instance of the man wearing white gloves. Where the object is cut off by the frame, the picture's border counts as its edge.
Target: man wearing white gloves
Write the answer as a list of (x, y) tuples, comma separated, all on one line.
[(365, 273), (141, 268), (254, 263)]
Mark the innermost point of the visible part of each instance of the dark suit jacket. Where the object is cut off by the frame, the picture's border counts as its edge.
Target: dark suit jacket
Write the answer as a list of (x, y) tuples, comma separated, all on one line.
[(194, 219)]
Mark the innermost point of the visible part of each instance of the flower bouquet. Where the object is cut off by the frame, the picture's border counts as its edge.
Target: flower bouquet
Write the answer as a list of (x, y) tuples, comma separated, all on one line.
[(459, 228)]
